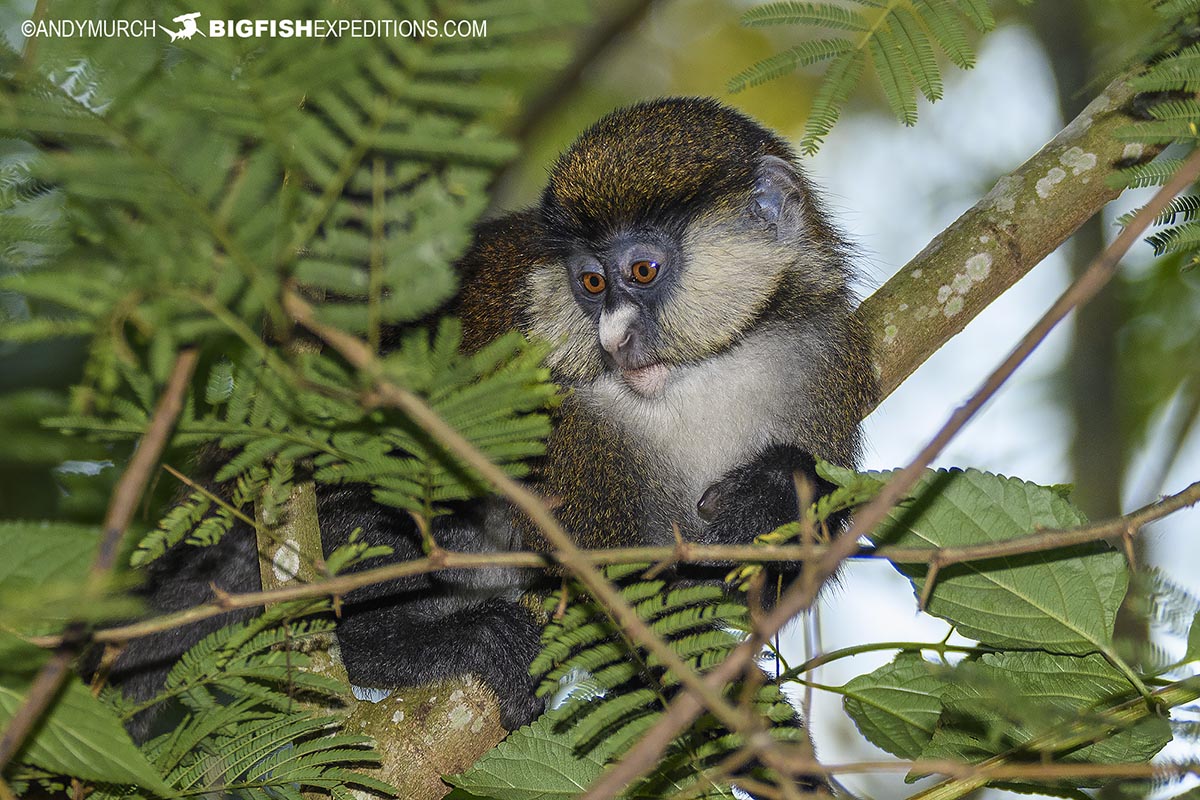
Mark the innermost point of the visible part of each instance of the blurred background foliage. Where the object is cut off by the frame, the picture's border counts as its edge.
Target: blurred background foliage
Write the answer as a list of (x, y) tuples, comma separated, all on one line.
[(1110, 403)]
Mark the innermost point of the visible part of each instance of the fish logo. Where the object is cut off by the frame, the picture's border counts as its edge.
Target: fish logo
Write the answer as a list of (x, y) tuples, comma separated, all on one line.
[(189, 29)]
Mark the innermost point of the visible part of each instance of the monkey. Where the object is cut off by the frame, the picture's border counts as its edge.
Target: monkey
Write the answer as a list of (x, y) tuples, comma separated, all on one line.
[(698, 304)]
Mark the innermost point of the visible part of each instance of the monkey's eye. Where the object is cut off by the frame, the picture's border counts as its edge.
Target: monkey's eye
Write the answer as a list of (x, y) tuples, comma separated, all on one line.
[(644, 271), (593, 282)]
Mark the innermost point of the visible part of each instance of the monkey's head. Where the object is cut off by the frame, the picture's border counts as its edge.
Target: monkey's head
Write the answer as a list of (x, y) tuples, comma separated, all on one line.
[(673, 228)]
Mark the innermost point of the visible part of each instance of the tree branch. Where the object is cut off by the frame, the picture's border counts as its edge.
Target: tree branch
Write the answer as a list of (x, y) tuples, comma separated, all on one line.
[(1025, 217), (681, 552)]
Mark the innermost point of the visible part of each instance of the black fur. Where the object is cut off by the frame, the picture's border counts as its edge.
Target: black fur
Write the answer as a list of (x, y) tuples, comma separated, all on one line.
[(403, 632), (421, 628), (759, 496)]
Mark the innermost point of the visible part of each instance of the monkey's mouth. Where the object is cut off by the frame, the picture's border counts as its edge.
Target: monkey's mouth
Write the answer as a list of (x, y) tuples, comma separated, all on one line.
[(648, 381)]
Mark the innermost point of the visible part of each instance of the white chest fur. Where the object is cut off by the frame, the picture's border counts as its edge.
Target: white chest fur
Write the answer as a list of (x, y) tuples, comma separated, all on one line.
[(715, 415)]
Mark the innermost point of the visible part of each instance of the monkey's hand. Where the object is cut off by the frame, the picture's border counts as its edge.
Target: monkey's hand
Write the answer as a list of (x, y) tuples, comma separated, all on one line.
[(757, 497)]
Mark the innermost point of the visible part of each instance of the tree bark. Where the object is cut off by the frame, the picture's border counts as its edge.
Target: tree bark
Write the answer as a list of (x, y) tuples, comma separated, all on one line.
[(1025, 217)]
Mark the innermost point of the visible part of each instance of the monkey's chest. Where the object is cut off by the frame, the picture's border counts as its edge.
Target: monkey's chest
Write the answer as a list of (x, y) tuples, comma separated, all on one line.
[(706, 422)]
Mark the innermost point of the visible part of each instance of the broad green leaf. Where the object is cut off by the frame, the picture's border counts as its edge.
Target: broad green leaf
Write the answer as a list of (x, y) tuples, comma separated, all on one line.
[(1062, 601), (80, 736), (533, 763), (35, 553), (42, 567), (19, 658), (1009, 700), (897, 706), (1193, 640)]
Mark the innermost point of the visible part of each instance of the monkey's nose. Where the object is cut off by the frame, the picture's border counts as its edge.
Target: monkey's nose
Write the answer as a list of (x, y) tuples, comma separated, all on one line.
[(619, 347), (618, 331)]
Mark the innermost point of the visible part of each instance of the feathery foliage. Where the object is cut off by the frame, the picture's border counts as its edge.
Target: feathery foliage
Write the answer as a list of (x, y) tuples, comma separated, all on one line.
[(245, 728), (897, 37), (630, 688), (158, 195), (1168, 82), (152, 202)]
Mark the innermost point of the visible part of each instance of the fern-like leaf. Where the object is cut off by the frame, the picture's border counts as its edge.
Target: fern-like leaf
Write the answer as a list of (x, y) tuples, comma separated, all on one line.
[(891, 67), (840, 80), (897, 37), (245, 735), (917, 50), (789, 60), (698, 623), (979, 13), (945, 24), (825, 15)]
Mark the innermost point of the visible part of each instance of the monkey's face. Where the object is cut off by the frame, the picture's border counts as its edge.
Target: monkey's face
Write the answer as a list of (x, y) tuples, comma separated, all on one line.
[(671, 227), (646, 304), (621, 288)]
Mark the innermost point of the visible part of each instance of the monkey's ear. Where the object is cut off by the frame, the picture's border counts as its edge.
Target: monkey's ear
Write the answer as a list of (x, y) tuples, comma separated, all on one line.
[(778, 198)]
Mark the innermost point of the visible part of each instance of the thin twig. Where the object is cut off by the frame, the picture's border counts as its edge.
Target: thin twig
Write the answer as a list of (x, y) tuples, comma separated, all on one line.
[(870, 647), (686, 552), (260, 530), (121, 508), (961, 770), (643, 755)]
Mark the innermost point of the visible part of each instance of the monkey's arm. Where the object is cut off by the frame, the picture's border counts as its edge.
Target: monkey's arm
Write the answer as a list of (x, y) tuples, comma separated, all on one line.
[(759, 496), (400, 633), (422, 628), (181, 578)]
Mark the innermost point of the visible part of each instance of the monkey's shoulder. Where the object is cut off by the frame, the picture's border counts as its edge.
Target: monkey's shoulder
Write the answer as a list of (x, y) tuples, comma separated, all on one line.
[(492, 276)]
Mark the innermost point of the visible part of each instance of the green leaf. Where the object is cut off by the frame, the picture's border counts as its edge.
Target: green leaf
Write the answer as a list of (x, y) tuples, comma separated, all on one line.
[(897, 706), (796, 13), (42, 568), (80, 736), (1193, 640), (1017, 697), (18, 657), (946, 26), (37, 552), (918, 53), (533, 763), (979, 12), (1063, 601), (891, 67), (787, 61), (840, 80)]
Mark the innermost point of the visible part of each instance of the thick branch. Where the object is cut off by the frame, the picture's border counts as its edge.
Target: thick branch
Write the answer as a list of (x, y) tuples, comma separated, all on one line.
[(1024, 218)]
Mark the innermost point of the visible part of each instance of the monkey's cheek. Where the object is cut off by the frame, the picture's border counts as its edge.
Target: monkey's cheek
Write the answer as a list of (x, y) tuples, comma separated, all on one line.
[(647, 381)]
